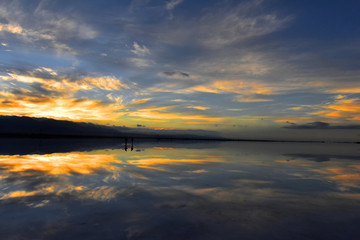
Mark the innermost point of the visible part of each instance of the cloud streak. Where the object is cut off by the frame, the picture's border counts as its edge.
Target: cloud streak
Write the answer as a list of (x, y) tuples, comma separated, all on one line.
[(140, 50), (321, 125), (60, 108), (173, 4), (41, 26), (224, 26)]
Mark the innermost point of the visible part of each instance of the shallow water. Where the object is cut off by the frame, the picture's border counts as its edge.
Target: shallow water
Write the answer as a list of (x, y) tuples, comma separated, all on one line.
[(94, 189)]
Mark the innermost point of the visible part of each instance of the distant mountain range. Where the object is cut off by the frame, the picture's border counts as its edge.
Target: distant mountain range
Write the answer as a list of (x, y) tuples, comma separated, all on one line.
[(15, 126)]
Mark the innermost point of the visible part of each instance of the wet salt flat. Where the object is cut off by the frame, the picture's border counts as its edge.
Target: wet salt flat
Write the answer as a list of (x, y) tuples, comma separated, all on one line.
[(94, 189)]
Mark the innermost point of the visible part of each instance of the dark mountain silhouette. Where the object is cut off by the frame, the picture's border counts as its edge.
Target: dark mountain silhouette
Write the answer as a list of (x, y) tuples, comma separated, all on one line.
[(15, 126)]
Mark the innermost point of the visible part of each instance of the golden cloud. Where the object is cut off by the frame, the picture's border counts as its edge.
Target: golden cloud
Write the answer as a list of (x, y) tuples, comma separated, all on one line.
[(348, 90), (60, 108), (344, 176), (55, 98), (12, 28), (346, 109), (199, 107), (106, 83), (58, 163), (178, 116), (246, 89), (207, 89), (241, 87), (167, 161), (64, 85)]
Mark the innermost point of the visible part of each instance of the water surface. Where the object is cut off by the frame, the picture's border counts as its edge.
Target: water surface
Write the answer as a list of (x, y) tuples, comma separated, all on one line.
[(100, 189)]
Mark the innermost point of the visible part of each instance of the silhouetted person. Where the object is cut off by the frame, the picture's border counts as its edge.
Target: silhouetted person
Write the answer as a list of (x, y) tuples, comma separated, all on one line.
[(126, 145), (132, 144)]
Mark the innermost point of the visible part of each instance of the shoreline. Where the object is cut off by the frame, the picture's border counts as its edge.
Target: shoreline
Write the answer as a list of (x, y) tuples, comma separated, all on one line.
[(56, 136)]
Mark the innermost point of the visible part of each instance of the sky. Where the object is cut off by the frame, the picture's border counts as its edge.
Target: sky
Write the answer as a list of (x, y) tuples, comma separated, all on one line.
[(253, 68)]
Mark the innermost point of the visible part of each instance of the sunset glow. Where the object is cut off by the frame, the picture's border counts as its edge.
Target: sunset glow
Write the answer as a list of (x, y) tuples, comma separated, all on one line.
[(226, 67)]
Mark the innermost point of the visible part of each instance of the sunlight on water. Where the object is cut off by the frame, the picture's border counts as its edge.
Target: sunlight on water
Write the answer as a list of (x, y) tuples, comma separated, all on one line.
[(177, 190)]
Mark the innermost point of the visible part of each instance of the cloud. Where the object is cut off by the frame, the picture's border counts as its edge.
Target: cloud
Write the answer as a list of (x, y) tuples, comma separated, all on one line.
[(42, 88), (235, 109), (343, 109), (182, 100), (241, 98), (320, 125), (15, 29), (50, 82), (236, 62), (161, 113), (140, 101), (105, 82), (117, 99), (173, 4), (245, 90), (312, 125), (242, 87), (322, 157), (348, 90), (222, 55), (141, 62), (225, 26), (58, 163), (140, 50), (44, 28), (175, 74), (44, 92), (199, 107), (60, 108)]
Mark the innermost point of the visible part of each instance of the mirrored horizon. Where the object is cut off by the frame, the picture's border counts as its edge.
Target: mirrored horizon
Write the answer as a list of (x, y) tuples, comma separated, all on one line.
[(182, 190)]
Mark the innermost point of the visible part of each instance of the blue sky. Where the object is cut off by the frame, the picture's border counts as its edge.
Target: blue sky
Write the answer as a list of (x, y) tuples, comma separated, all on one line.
[(243, 68)]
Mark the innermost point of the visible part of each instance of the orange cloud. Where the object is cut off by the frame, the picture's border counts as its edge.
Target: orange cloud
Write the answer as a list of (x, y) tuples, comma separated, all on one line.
[(106, 83), (347, 109), (207, 89), (59, 102), (348, 176), (58, 163), (241, 87), (12, 28), (166, 115), (60, 108), (167, 161), (140, 101), (164, 128), (199, 107), (16, 194), (5, 94), (348, 90), (246, 89), (66, 86)]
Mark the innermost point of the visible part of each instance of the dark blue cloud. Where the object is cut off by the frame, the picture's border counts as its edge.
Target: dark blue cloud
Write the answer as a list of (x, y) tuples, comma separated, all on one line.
[(321, 125)]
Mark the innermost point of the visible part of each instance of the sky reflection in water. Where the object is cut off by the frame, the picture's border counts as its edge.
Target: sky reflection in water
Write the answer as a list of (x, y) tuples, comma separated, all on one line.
[(177, 190)]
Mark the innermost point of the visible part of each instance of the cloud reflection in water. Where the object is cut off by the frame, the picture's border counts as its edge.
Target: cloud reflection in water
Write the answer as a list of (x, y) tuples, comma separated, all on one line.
[(252, 190)]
